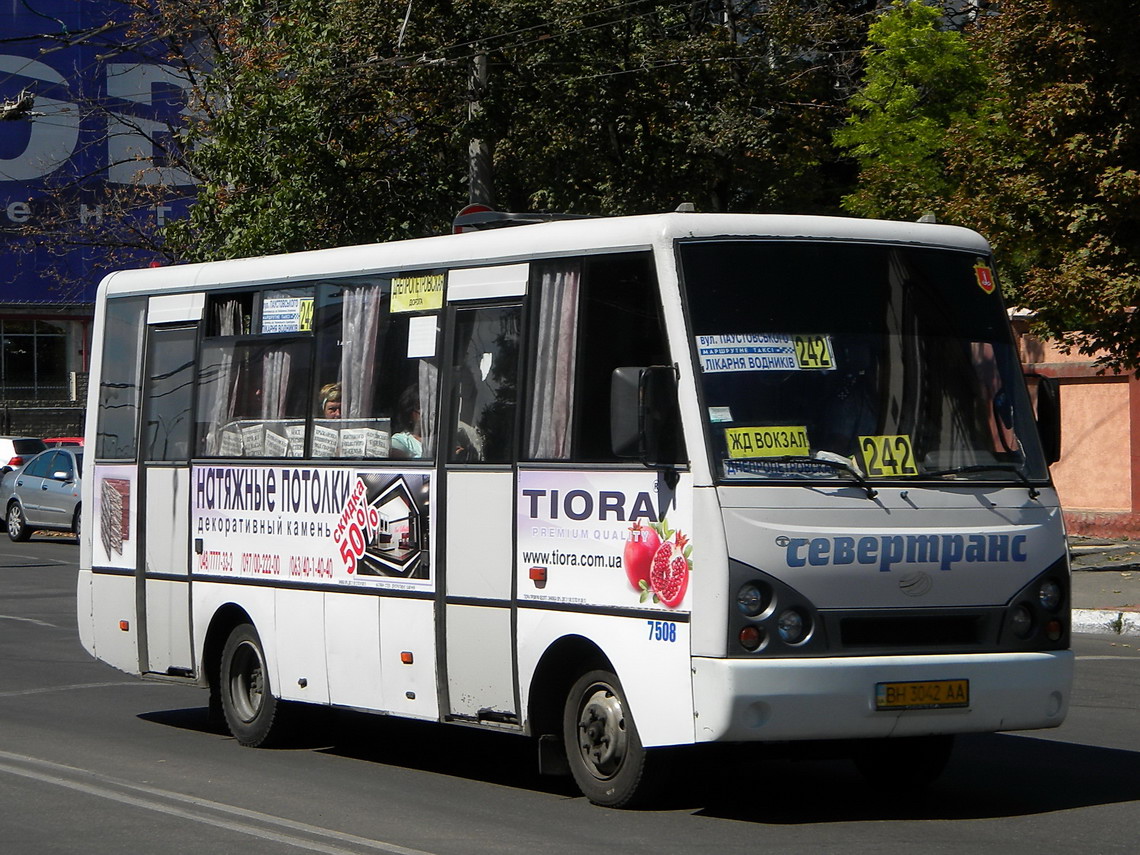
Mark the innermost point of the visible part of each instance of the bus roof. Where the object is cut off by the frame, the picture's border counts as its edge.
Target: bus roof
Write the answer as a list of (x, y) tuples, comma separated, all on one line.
[(520, 243)]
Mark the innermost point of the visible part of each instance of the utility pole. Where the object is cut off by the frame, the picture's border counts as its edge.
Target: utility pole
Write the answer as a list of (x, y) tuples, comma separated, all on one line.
[(479, 165)]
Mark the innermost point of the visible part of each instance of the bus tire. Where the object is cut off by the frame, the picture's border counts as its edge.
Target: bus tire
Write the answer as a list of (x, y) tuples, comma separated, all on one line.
[(603, 748), (18, 528), (248, 703), (903, 764)]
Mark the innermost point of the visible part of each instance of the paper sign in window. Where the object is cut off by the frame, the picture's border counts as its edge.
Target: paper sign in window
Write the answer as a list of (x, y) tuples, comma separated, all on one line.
[(421, 337), (417, 293), (766, 441)]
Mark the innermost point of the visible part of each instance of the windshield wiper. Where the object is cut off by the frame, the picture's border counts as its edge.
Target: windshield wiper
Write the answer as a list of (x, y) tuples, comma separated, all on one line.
[(990, 467), (832, 461)]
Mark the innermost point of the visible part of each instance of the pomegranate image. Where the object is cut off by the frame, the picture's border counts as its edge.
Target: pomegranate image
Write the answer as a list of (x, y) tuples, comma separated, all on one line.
[(637, 557), (669, 572)]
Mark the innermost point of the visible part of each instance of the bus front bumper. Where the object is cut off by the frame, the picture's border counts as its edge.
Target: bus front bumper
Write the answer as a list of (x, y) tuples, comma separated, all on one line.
[(739, 700)]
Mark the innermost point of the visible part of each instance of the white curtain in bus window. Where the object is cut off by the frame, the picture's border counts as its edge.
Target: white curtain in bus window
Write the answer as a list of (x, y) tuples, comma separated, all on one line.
[(119, 379), (361, 329), (549, 434)]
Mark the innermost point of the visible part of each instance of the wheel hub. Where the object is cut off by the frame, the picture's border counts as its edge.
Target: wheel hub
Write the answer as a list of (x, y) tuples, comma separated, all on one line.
[(602, 736)]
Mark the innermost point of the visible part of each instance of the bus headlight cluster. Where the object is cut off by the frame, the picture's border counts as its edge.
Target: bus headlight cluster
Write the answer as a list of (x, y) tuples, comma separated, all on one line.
[(1038, 613), (768, 620)]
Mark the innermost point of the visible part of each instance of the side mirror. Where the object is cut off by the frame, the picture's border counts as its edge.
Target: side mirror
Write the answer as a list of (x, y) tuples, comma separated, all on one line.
[(61, 475), (1049, 418), (645, 418)]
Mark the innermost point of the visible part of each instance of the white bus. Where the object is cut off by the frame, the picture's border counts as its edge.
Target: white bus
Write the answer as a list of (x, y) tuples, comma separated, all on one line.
[(613, 484)]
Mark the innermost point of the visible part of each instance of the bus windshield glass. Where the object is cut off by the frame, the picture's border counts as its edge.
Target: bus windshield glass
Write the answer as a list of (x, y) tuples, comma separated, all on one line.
[(830, 360)]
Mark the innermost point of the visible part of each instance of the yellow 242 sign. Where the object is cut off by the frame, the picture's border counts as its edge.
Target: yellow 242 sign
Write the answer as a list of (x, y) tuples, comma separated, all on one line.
[(813, 352), (887, 456)]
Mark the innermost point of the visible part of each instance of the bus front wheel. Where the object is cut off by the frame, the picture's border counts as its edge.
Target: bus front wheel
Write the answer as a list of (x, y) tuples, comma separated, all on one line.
[(604, 751), (248, 703)]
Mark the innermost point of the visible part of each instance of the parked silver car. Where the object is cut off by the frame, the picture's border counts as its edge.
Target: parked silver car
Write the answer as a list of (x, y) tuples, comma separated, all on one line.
[(44, 493)]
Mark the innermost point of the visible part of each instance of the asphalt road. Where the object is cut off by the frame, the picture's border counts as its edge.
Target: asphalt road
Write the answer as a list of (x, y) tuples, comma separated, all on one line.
[(94, 761)]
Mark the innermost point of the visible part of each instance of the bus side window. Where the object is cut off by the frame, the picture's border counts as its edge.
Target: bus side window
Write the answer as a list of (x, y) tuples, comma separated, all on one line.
[(379, 354), (253, 398), (595, 314), (169, 392), (123, 332), (484, 385)]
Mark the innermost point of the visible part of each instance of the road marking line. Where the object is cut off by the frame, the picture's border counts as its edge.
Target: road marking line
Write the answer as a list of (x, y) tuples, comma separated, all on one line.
[(53, 773), (29, 620), (36, 558), (43, 690)]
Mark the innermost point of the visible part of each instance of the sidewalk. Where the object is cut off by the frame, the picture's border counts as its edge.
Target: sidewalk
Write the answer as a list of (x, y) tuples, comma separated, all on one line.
[(1106, 585)]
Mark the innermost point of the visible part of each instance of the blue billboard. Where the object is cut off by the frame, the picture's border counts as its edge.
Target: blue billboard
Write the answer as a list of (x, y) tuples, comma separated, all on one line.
[(84, 120)]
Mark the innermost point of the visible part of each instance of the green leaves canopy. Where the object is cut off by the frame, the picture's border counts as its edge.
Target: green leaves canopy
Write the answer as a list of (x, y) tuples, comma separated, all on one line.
[(326, 122), (1025, 127)]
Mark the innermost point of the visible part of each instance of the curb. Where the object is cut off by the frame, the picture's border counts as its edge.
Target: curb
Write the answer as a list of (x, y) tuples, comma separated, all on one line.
[(1106, 621)]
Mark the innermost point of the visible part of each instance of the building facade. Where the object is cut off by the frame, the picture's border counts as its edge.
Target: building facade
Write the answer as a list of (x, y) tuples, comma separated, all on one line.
[(80, 119)]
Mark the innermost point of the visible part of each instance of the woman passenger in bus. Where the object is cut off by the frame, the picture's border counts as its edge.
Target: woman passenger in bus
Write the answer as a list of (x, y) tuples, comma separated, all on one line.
[(330, 401), (407, 442)]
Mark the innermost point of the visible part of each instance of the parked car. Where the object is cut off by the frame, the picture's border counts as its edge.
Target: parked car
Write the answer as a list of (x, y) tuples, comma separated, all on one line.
[(44, 494), (63, 441), (15, 451)]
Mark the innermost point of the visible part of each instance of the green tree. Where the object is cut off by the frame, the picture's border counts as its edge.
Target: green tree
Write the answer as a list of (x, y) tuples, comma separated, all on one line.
[(315, 123), (325, 122), (921, 79), (639, 106), (1048, 168), (308, 133)]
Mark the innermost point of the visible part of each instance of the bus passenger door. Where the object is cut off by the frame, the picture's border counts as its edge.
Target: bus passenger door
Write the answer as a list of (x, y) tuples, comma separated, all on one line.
[(477, 447), (164, 450)]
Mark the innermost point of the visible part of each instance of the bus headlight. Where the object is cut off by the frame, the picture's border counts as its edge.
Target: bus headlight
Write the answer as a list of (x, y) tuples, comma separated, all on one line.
[(751, 600), (1049, 595), (791, 626), (1021, 621)]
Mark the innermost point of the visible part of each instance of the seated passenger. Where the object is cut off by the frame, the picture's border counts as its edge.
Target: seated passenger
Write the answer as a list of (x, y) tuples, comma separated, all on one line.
[(330, 401), (407, 441)]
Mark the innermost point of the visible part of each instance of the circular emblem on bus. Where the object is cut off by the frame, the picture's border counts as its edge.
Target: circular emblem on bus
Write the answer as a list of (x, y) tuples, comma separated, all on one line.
[(915, 584)]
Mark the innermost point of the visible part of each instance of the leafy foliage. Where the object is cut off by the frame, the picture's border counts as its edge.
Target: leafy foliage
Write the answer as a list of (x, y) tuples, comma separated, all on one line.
[(640, 106), (1048, 168), (921, 79), (1025, 127), (306, 138), (328, 122)]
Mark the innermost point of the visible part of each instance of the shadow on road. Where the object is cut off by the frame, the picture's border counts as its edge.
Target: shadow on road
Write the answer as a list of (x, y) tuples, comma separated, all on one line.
[(989, 776)]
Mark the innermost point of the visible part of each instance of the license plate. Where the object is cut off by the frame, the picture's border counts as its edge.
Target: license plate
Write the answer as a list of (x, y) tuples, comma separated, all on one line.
[(925, 695)]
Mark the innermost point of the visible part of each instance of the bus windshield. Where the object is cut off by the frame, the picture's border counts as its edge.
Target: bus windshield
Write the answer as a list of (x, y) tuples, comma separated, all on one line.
[(844, 360)]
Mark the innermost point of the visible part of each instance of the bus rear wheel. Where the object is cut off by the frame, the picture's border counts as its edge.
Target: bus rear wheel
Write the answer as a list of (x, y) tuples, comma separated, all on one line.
[(248, 703), (604, 751)]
